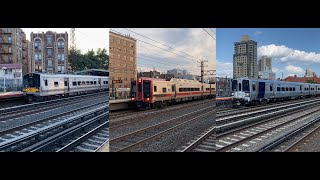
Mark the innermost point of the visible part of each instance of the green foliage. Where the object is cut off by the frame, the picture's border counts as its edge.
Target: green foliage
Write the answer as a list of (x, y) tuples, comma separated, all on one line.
[(310, 81), (89, 60)]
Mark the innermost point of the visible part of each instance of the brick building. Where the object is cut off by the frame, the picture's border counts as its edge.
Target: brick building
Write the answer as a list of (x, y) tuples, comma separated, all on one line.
[(50, 51), (122, 64)]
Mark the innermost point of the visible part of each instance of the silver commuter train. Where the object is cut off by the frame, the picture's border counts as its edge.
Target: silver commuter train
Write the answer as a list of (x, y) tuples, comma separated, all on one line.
[(39, 86), (250, 91)]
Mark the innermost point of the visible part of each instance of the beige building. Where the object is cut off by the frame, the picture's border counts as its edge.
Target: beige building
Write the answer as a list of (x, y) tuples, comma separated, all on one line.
[(50, 52), (15, 48), (122, 64), (265, 63), (245, 58)]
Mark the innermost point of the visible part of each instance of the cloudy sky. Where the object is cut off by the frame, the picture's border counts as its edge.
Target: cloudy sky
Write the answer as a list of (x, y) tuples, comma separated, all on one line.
[(176, 48), (293, 49), (86, 38)]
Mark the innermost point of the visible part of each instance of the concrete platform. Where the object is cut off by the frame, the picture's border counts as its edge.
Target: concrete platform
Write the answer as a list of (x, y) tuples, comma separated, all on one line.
[(119, 104), (11, 95), (223, 98), (104, 148)]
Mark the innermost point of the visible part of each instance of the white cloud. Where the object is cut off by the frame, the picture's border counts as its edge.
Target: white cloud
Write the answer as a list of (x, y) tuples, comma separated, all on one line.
[(224, 69), (193, 41), (294, 69), (285, 54), (257, 33)]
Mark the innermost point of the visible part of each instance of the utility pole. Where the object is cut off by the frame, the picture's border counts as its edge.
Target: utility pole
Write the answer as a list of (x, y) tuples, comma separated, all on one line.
[(202, 68)]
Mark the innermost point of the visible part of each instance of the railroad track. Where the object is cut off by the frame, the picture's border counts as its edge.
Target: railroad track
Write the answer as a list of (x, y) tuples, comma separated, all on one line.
[(17, 137), (206, 142), (256, 136), (39, 104), (136, 139), (236, 120), (307, 130), (142, 115), (29, 110)]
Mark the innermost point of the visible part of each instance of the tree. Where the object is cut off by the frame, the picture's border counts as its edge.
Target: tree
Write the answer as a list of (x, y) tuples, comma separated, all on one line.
[(89, 60), (310, 81)]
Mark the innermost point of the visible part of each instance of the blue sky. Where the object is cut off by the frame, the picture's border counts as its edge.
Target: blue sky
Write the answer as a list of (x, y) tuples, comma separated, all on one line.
[(292, 49), (195, 42)]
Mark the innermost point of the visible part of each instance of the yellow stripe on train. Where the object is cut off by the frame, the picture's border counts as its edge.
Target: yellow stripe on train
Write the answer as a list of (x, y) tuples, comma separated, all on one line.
[(31, 90)]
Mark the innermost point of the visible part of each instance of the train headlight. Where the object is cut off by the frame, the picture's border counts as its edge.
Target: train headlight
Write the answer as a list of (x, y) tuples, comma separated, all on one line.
[(147, 99), (232, 94), (247, 94), (132, 99)]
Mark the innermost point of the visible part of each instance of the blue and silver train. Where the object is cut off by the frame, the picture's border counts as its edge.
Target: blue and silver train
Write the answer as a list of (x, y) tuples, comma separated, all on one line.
[(251, 91)]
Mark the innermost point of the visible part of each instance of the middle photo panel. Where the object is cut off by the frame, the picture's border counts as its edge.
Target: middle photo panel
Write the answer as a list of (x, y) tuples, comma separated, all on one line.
[(162, 89)]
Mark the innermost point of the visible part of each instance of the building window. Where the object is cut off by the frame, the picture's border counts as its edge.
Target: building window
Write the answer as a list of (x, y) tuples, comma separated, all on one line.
[(49, 39), (37, 45), (49, 51), (9, 50), (131, 51), (60, 44), (118, 41), (118, 56), (61, 57), (56, 84), (125, 43), (10, 39), (125, 57), (131, 59), (131, 45), (49, 63)]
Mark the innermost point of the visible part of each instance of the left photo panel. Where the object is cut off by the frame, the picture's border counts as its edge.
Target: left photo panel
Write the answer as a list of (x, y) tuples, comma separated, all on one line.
[(54, 90)]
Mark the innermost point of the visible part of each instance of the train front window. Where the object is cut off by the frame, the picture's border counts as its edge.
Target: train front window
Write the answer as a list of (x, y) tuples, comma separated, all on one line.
[(146, 89), (234, 85), (245, 85), (31, 80)]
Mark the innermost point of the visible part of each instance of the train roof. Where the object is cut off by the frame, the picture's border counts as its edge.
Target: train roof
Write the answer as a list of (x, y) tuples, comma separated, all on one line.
[(67, 75)]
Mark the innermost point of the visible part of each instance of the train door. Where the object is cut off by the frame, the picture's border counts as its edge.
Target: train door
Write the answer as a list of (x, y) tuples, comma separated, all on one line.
[(174, 90), (66, 86), (261, 91)]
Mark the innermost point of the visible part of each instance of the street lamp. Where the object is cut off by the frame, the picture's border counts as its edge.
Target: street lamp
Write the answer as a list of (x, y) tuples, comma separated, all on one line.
[(4, 78)]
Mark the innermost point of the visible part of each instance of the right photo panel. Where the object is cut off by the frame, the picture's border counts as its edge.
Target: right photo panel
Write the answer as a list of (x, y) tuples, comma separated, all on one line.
[(267, 90), (162, 89)]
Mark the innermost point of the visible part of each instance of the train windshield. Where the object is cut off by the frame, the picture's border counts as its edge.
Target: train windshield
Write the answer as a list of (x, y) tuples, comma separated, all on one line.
[(245, 85), (133, 88), (234, 85), (146, 89), (31, 80)]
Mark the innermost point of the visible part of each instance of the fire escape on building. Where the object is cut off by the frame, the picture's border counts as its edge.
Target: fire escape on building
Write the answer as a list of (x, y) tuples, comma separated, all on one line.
[(5, 46)]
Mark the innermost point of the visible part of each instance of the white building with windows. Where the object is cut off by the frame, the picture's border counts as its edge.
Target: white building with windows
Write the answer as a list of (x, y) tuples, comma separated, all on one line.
[(10, 77)]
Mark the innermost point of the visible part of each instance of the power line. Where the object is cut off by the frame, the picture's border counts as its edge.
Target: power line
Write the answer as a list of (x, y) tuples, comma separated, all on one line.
[(158, 47), (160, 43), (209, 33)]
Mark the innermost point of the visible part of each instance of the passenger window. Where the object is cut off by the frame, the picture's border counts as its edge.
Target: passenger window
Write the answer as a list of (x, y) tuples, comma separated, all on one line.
[(164, 90), (46, 82), (287, 89), (282, 89), (278, 88), (253, 87), (290, 89), (155, 88), (270, 88), (79, 83), (56, 84), (74, 83), (65, 83), (173, 89)]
